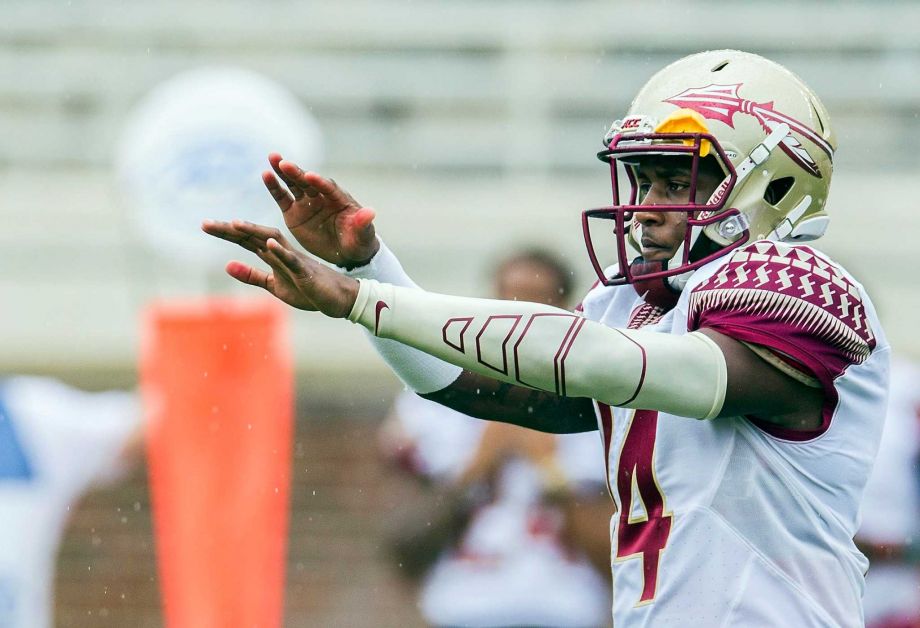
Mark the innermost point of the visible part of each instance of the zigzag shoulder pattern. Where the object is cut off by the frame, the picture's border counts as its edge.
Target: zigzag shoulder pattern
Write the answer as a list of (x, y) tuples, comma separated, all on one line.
[(793, 287)]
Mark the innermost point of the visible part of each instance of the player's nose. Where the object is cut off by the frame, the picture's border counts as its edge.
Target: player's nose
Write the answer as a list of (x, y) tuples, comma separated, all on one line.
[(652, 197), (646, 218)]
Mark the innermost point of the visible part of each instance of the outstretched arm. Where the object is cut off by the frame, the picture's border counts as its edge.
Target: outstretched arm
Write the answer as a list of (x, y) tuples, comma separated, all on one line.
[(543, 347), (473, 394), (523, 344), (535, 346)]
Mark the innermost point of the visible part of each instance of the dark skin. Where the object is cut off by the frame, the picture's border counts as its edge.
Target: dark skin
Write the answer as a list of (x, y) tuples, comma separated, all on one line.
[(327, 221)]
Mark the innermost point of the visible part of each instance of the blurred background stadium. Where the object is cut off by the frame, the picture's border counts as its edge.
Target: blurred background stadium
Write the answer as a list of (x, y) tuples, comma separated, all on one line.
[(471, 126)]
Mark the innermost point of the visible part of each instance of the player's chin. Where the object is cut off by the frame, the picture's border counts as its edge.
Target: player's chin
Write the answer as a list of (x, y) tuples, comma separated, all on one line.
[(656, 254)]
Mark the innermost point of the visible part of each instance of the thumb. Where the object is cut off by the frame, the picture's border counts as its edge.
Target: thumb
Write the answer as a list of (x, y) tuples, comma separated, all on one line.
[(363, 223)]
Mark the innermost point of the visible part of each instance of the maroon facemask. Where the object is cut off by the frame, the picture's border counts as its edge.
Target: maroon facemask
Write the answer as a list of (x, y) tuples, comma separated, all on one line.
[(627, 147)]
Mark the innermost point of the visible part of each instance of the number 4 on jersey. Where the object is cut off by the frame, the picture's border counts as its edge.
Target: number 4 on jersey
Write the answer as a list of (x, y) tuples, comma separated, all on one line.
[(645, 535)]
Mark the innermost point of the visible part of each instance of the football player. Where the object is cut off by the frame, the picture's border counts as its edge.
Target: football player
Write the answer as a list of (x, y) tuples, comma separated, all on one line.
[(738, 377), (56, 442)]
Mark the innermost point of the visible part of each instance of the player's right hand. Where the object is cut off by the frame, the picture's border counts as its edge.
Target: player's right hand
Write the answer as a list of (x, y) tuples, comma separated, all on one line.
[(293, 277), (324, 219)]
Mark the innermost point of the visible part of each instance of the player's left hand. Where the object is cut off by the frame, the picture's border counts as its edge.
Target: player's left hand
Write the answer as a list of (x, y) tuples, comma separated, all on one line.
[(324, 218), (294, 278)]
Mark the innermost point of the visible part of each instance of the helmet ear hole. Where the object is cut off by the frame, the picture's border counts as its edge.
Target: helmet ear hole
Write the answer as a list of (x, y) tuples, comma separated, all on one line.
[(777, 189)]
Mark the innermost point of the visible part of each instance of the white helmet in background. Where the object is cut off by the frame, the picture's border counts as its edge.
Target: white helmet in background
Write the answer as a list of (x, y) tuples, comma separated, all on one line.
[(195, 147), (758, 122)]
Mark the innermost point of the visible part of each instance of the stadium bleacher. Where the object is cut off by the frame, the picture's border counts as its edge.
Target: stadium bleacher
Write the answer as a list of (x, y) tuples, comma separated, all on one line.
[(465, 123)]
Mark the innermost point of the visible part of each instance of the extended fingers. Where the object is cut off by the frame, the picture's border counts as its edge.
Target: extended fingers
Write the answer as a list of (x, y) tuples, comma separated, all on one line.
[(294, 176), (255, 277), (227, 231), (223, 230), (291, 261), (218, 229), (282, 196), (259, 233), (315, 184), (327, 187), (249, 275), (274, 159), (301, 182)]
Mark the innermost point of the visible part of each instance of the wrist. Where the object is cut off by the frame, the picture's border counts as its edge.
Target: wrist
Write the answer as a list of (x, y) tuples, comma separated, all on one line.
[(351, 265), (351, 288), (383, 266)]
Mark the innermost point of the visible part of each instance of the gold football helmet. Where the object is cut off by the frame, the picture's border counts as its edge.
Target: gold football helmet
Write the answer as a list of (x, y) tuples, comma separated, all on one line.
[(766, 130)]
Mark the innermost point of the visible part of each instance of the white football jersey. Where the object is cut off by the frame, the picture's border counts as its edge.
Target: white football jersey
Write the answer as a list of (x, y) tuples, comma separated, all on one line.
[(733, 521), (511, 568), (54, 442)]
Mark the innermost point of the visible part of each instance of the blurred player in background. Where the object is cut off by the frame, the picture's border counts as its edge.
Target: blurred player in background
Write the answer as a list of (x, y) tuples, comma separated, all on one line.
[(55, 443), (888, 534), (513, 530), (739, 378)]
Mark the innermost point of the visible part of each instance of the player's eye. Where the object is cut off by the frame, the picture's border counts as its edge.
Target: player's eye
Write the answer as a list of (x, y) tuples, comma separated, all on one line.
[(677, 186)]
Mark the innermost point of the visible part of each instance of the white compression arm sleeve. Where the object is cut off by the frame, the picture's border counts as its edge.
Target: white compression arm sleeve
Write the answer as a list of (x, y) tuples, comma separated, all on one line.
[(550, 349), (419, 371)]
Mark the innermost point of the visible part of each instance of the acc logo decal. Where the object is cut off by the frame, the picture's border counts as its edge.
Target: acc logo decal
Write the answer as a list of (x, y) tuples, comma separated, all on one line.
[(631, 124), (722, 102)]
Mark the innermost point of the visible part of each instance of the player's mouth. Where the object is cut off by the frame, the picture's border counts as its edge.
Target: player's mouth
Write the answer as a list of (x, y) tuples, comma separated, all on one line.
[(654, 251), (649, 244)]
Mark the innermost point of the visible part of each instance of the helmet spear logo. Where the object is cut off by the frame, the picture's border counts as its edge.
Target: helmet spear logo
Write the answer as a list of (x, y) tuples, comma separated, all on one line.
[(722, 102)]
